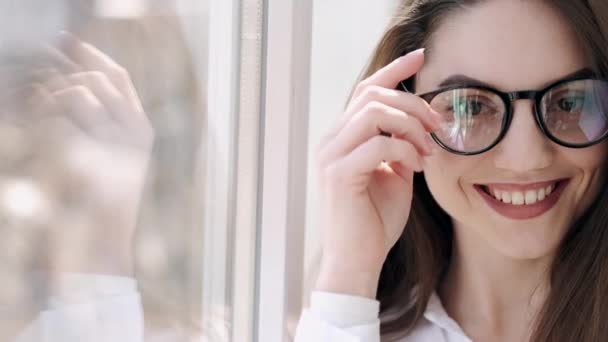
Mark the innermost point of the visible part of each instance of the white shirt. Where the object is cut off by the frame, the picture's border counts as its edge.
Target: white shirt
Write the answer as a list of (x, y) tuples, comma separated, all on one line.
[(96, 308), (335, 317), (100, 308), (92, 308)]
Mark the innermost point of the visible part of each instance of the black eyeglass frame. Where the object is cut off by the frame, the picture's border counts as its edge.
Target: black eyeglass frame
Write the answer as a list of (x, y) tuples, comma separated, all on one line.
[(508, 99)]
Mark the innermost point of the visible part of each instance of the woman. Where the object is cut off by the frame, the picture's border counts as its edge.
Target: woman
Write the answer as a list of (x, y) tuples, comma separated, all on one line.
[(466, 203)]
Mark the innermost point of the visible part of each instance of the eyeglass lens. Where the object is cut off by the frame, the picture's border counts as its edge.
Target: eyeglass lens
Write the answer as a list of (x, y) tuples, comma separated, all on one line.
[(573, 113)]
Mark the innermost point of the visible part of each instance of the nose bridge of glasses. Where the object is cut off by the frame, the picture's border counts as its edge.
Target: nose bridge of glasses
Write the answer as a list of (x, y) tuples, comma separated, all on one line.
[(523, 95), (531, 95)]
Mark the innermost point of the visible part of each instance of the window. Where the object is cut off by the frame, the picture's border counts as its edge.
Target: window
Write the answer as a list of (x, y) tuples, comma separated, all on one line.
[(106, 168), (155, 163)]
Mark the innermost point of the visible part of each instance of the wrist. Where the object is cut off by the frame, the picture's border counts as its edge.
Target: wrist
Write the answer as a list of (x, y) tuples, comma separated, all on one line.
[(114, 263), (344, 279)]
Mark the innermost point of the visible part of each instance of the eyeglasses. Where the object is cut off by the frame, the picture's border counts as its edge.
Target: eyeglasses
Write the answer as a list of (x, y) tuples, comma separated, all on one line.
[(571, 112)]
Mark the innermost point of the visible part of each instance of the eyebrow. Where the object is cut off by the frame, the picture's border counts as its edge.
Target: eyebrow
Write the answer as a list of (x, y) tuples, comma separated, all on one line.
[(463, 80)]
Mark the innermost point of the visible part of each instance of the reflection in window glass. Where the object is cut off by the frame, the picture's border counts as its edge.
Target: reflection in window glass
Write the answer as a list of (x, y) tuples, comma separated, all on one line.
[(102, 120)]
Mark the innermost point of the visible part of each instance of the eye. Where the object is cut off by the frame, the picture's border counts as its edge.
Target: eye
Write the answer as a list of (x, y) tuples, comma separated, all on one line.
[(571, 103), (470, 106), (474, 105)]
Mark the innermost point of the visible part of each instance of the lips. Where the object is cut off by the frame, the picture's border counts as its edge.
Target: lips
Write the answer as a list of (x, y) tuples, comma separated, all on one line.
[(522, 201)]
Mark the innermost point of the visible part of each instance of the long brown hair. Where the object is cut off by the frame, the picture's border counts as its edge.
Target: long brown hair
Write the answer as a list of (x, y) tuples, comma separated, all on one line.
[(576, 309)]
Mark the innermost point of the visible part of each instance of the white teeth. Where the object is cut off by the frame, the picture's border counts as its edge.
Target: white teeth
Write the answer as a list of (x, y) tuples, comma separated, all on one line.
[(517, 198), (541, 194), (522, 198), (531, 197), (497, 194)]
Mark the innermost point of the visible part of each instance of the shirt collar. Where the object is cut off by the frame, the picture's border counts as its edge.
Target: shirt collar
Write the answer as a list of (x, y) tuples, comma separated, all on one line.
[(436, 314)]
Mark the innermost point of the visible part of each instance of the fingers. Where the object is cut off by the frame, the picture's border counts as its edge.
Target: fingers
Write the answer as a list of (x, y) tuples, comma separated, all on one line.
[(378, 108), (75, 107), (42, 112), (406, 102), (374, 119), (82, 106), (52, 78), (79, 64), (87, 97), (400, 69), (105, 91), (92, 59), (366, 158), (117, 106), (86, 55), (60, 59), (380, 87), (27, 103)]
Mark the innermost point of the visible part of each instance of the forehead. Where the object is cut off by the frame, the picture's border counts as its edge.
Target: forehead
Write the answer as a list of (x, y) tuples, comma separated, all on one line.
[(510, 44)]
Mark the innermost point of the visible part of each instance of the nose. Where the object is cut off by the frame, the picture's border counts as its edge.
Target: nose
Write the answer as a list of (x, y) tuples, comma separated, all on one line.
[(524, 148)]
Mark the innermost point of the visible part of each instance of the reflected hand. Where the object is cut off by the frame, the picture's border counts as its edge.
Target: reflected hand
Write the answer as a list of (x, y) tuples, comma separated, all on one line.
[(93, 141)]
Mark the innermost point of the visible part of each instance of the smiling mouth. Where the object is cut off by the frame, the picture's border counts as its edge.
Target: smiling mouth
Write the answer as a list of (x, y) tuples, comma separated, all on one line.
[(517, 201), (528, 196)]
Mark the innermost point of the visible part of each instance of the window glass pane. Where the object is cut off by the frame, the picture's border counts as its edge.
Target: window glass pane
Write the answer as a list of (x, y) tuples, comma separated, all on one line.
[(106, 190)]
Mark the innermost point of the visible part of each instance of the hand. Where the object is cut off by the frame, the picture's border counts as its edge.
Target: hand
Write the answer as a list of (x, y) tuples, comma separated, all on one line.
[(365, 178), (92, 143)]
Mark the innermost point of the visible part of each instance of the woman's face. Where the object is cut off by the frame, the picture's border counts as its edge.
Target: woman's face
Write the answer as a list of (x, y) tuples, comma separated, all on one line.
[(512, 46)]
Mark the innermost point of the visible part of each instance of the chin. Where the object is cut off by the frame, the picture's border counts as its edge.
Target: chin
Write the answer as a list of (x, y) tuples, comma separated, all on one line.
[(527, 243)]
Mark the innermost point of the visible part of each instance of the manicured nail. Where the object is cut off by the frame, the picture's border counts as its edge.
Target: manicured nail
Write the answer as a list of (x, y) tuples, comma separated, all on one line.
[(418, 51), (412, 53)]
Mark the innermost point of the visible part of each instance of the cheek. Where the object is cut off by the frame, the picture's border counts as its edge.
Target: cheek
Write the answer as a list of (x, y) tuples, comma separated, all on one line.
[(591, 166), (444, 175)]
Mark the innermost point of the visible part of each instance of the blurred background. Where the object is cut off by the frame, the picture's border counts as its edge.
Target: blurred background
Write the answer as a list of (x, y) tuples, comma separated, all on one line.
[(66, 189), (132, 144)]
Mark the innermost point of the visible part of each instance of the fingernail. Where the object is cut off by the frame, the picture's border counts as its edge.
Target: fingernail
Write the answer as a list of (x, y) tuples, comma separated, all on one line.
[(419, 51), (412, 53)]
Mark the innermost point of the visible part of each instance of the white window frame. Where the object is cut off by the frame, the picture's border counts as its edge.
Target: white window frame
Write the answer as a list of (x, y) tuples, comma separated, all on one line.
[(218, 160), (283, 211), (255, 182), (248, 166)]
